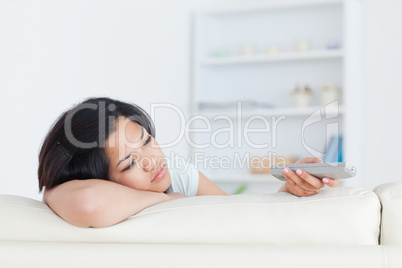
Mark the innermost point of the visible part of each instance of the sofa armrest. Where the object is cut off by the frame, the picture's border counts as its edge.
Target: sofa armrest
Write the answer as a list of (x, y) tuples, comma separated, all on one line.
[(339, 216), (390, 195)]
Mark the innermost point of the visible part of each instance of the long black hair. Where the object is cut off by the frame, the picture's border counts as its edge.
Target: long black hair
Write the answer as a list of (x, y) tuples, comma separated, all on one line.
[(74, 148)]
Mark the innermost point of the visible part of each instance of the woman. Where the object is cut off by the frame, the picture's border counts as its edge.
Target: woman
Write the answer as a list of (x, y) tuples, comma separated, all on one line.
[(100, 164)]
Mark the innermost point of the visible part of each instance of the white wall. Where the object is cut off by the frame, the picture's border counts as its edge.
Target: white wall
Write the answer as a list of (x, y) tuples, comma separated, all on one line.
[(55, 53), (382, 119)]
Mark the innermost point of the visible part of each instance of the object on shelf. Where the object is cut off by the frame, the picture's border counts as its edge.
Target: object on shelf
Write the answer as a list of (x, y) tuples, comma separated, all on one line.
[(302, 46), (221, 53), (332, 45), (233, 105), (329, 93), (247, 51), (241, 189), (302, 96), (272, 50), (262, 164), (334, 151)]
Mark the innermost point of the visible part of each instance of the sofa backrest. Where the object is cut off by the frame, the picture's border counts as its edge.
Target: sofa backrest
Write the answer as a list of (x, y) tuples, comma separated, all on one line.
[(390, 195), (340, 216)]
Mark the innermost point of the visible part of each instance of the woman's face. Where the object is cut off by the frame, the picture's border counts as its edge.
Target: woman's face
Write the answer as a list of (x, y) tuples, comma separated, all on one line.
[(136, 159)]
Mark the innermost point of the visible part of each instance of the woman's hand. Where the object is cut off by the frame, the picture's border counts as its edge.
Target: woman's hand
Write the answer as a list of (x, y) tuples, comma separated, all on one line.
[(300, 183)]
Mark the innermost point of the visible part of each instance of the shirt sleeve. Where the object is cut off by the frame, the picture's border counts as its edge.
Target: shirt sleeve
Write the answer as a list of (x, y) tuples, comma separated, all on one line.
[(184, 180), (193, 182)]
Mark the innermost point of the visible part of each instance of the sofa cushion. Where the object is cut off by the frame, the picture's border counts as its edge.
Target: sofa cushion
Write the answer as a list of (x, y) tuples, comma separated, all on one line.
[(390, 195), (340, 216), (67, 255)]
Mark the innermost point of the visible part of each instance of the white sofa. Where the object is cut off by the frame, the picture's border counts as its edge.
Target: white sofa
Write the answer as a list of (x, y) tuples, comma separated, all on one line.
[(340, 227)]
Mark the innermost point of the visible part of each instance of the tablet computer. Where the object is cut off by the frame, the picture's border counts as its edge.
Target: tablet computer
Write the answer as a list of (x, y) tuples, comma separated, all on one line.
[(337, 170)]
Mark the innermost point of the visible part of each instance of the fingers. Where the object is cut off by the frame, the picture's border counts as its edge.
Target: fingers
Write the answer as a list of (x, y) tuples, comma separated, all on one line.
[(330, 182), (302, 183), (297, 190), (302, 178)]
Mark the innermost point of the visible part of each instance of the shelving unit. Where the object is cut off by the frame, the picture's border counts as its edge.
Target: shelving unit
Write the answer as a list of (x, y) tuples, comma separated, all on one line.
[(294, 112), (231, 65), (286, 56)]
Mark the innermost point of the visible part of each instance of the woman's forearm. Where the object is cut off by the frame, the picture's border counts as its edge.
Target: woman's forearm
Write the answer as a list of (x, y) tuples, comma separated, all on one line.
[(283, 188), (99, 203)]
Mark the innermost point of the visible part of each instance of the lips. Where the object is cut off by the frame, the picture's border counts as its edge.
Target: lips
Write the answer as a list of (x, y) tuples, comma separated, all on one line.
[(159, 175)]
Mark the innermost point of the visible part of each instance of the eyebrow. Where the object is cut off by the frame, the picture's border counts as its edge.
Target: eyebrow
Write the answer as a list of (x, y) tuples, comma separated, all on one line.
[(128, 156)]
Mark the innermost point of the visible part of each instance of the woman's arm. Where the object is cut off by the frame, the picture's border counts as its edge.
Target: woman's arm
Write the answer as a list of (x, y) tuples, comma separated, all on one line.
[(207, 187), (303, 184), (99, 203)]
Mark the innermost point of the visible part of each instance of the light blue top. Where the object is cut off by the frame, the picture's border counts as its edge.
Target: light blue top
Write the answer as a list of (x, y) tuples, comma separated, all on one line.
[(184, 179)]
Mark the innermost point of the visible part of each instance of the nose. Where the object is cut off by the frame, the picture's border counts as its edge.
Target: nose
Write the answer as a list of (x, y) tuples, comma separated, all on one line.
[(148, 164)]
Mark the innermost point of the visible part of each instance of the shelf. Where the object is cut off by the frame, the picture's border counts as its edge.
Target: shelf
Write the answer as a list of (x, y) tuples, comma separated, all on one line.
[(293, 112), (288, 56), (241, 9), (245, 178)]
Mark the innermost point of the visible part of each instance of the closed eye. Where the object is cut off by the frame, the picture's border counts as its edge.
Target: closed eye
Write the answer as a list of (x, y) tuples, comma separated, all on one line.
[(148, 140), (132, 162)]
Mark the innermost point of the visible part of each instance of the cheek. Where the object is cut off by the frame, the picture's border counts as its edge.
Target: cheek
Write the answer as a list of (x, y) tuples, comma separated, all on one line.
[(132, 180)]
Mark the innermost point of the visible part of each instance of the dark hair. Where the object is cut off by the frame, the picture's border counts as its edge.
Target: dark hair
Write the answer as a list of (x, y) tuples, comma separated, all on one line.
[(74, 148)]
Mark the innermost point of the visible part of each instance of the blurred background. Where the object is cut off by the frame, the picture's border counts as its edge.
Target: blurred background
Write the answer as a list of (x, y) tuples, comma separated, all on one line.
[(54, 54)]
